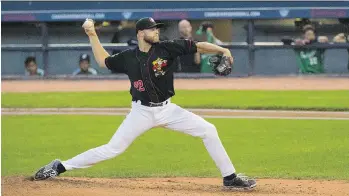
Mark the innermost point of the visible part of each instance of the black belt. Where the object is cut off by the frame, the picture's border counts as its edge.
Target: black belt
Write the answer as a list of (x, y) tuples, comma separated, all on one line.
[(152, 104)]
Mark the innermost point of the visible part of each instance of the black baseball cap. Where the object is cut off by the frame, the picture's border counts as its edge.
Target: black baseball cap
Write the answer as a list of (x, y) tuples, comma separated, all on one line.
[(84, 57), (147, 23)]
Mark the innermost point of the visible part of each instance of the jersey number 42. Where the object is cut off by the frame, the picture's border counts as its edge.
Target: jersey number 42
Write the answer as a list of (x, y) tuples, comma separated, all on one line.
[(139, 85)]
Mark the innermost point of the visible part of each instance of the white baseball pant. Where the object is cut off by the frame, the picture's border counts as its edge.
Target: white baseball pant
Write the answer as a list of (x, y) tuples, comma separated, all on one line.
[(142, 118)]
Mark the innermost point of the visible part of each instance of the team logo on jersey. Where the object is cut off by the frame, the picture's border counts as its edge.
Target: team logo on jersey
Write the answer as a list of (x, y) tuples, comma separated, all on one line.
[(158, 64)]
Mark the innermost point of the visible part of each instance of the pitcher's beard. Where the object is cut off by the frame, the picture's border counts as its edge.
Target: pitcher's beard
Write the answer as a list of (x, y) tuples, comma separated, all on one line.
[(149, 40)]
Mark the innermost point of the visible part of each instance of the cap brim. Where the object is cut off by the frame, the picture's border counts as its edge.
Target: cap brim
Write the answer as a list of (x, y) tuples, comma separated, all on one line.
[(157, 25)]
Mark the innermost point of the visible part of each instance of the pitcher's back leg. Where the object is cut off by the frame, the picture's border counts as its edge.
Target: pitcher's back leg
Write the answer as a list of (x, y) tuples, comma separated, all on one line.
[(136, 122)]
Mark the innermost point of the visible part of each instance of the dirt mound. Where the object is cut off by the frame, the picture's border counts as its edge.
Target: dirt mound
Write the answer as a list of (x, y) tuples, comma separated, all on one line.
[(20, 186)]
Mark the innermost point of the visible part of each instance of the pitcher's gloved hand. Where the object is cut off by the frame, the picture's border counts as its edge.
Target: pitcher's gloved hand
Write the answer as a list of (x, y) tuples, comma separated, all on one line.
[(221, 65)]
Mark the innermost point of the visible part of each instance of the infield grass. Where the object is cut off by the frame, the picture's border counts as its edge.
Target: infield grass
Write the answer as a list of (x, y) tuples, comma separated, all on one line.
[(243, 99), (306, 149)]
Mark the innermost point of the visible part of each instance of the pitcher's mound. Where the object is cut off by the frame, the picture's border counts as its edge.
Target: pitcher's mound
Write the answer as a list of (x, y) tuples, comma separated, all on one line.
[(22, 186)]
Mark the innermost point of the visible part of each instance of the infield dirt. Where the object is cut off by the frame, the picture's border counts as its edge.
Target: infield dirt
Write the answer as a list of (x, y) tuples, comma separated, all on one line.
[(20, 186)]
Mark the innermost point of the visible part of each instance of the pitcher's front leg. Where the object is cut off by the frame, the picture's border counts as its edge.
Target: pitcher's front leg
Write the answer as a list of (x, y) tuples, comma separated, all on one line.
[(179, 119)]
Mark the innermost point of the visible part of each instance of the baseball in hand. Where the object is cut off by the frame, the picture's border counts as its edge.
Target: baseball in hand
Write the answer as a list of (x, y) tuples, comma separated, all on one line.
[(88, 23), (89, 27)]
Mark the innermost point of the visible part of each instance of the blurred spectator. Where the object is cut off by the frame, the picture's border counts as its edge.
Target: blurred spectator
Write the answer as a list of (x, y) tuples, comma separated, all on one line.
[(310, 61), (125, 30), (301, 22), (191, 62), (125, 33), (84, 64), (342, 38), (32, 68), (207, 29), (99, 25)]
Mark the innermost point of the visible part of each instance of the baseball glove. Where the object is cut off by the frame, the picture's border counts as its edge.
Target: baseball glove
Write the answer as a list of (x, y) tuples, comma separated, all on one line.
[(220, 65)]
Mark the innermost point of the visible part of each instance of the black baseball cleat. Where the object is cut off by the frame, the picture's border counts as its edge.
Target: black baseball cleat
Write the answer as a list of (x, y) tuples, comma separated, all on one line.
[(239, 182), (50, 170)]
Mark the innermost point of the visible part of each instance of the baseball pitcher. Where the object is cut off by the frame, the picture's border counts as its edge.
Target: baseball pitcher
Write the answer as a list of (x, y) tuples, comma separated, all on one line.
[(147, 67)]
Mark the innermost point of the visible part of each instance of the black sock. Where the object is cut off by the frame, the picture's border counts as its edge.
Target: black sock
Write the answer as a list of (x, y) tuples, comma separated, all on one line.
[(230, 177), (61, 168)]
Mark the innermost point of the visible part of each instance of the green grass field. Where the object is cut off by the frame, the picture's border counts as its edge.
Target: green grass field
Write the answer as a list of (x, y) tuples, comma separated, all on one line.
[(260, 147), (244, 99)]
